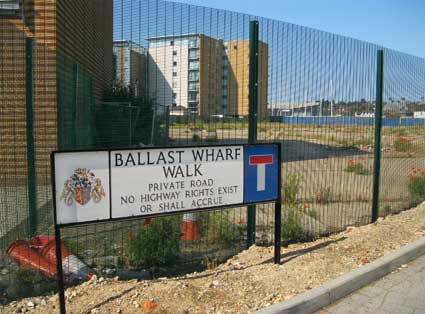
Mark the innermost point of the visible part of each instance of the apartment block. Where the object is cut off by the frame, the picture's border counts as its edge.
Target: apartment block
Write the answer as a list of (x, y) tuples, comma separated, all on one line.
[(130, 66), (185, 71), (204, 75)]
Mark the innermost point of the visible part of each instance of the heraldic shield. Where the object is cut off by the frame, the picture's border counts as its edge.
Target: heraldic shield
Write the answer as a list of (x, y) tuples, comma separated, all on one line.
[(82, 195), (82, 187)]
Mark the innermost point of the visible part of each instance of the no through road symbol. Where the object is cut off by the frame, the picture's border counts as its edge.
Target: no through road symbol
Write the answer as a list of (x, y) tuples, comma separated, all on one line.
[(261, 173)]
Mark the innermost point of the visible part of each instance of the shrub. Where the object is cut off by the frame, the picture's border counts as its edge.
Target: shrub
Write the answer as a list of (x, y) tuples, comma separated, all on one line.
[(154, 244), (221, 229), (416, 185), (196, 138), (402, 144), (291, 187), (357, 166), (291, 224)]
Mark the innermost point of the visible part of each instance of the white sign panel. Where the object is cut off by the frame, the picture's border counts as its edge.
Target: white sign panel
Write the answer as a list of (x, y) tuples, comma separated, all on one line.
[(158, 181), (146, 182), (82, 187)]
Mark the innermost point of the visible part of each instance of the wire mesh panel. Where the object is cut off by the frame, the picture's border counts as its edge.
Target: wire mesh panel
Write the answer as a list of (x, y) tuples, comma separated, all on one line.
[(135, 73), (402, 175), (320, 103)]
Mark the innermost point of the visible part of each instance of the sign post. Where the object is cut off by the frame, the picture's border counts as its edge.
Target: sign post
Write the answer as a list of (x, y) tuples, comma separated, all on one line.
[(109, 185)]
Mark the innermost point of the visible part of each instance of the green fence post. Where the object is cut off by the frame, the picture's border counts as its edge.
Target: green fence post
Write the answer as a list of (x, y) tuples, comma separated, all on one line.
[(252, 116), (378, 127), (31, 176), (73, 128)]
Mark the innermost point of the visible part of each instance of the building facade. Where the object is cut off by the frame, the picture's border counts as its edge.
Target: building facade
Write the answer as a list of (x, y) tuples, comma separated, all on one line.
[(204, 75), (185, 71), (236, 78), (71, 67), (130, 66)]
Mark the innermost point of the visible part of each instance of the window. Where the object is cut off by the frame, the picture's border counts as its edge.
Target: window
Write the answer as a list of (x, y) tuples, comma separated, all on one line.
[(174, 95), (193, 76), (210, 85), (193, 96), (175, 63), (193, 86), (235, 47), (172, 43), (175, 53), (174, 104), (210, 96), (174, 74), (210, 107), (193, 65), (193, 43), (193, 54)]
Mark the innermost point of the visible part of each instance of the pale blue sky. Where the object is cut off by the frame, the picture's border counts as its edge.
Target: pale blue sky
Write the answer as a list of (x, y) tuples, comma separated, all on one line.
[(396, 24)]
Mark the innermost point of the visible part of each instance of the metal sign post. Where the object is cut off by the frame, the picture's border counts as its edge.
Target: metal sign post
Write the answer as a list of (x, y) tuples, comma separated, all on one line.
[(95, 186)]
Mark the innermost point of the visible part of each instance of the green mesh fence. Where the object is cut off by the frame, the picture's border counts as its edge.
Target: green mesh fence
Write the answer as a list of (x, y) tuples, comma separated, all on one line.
[(138, 73)]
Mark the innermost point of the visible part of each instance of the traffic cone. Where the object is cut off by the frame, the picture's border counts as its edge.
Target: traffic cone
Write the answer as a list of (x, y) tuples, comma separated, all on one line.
[(24, 255), (190, 228), (38, 242), (74, 269)]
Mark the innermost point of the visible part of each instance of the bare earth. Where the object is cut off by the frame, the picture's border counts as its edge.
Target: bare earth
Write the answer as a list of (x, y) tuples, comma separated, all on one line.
[(248, 281)]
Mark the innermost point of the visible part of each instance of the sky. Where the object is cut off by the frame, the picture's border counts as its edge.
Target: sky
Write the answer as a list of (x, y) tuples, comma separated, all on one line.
[(395, 24)]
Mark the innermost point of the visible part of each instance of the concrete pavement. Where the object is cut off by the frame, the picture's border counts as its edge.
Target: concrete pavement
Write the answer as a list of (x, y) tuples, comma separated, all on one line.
[(402, 292)]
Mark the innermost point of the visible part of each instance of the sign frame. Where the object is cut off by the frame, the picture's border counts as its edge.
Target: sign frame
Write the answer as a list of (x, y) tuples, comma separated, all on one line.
[(59, 226)]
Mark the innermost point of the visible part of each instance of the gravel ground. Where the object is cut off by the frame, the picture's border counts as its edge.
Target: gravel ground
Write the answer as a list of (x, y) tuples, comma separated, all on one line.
[(246, 282)]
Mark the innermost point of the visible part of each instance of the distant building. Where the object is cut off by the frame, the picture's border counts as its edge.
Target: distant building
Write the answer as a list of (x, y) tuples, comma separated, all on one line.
[(185, 71), (419, 114), (130, 66), (205, 75), (236, 78)]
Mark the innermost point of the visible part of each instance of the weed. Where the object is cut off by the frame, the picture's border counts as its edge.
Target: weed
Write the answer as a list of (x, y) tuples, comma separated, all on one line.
[(291, 187), (416, 185), (357, 166), (324, 196), (386, 210), (291, 224), (220, 228), (402, 144)]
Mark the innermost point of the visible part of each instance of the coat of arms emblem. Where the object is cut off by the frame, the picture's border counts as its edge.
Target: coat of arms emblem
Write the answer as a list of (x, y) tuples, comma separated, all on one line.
[(82, 187)]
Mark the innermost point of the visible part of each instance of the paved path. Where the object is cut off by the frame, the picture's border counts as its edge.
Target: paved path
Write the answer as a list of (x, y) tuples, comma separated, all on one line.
[(402, 292)]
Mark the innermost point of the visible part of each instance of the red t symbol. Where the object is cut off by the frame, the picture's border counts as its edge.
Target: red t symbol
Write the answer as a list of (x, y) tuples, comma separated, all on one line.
[(261, 161)]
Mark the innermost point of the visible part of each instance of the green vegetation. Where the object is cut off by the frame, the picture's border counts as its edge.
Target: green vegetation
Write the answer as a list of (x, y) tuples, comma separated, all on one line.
[(291, 224), (219, 228), (402, 144), (358, 166), (416, 185), (324, 196), (154, 244), (290, 187)]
